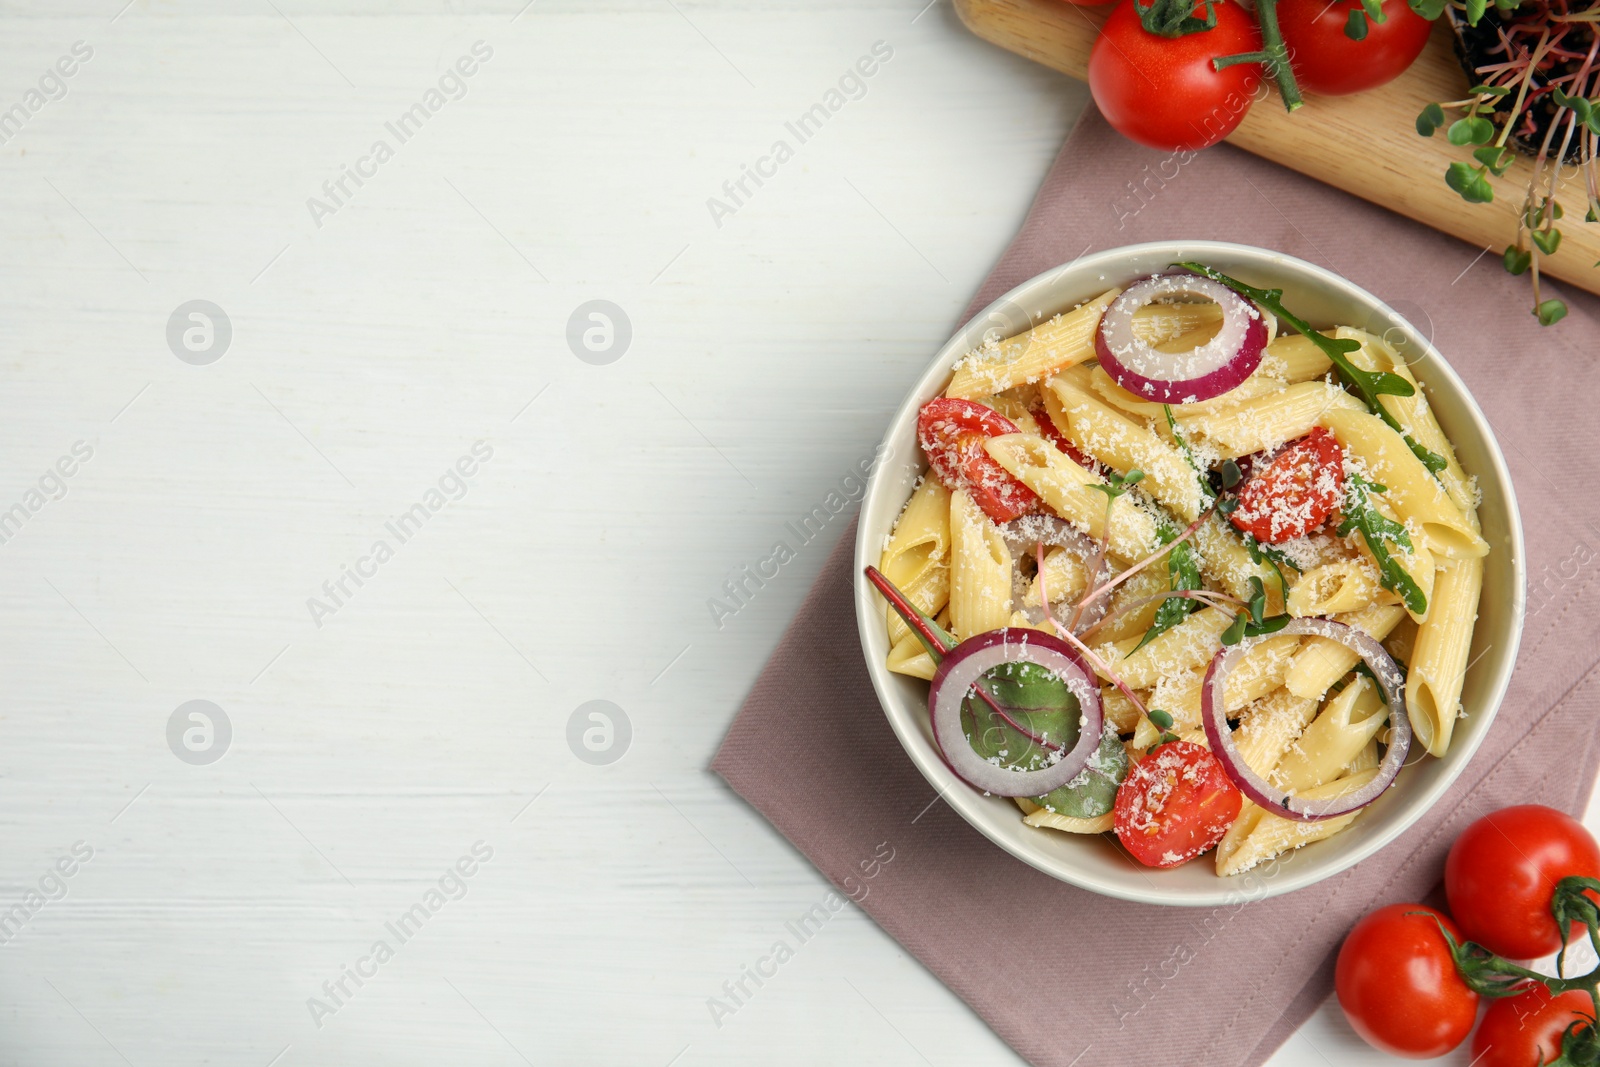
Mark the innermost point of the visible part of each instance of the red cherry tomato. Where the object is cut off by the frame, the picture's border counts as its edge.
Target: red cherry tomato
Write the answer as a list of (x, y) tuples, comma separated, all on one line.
[(1327, 61), (1175, 803), (1501, 873), (951, 433), (1294, 492), (1526, 1030), (1398, 985), (1163, 92)]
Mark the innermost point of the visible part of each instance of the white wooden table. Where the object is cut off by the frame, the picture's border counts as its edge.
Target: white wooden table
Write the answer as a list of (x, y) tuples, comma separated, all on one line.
[(376, 734)]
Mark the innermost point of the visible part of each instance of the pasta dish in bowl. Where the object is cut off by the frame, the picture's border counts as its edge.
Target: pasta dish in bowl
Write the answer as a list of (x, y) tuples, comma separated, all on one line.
[(1186, 557)]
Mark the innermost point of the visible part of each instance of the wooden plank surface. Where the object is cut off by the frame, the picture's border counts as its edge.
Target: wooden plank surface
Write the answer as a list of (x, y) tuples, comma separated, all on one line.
[(1366, 144)]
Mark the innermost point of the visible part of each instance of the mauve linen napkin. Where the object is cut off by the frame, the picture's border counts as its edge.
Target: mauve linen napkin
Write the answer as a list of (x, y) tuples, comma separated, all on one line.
[(1068, 977)]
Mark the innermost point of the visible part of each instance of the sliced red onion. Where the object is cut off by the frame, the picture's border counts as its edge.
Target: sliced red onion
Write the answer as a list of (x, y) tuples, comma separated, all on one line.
[(1215, 713), (961, 671), (1021, 535), (1203, 372)]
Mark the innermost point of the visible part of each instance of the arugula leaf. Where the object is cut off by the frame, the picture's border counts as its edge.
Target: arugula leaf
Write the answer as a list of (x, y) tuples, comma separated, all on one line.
[(1380, 532), (1370, 384), (1183, 572)]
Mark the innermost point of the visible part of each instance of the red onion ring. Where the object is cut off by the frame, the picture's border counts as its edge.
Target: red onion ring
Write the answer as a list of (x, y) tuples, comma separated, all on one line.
[(1022, 534), (1205, 371), (1251, 784), (962, 669)]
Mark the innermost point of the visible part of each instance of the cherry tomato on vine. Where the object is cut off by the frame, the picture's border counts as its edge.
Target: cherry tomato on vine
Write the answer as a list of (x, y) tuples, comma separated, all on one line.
[(1502, 870), (1163, 91), (1327, 61), (1175, 803), (1526, 1030), (1398, 985)]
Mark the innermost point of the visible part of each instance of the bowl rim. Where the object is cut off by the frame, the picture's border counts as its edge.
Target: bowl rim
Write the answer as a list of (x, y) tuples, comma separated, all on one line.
[(964, 799)]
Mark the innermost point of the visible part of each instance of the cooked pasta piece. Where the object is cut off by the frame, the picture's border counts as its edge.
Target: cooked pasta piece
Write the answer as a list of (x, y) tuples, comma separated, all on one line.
[(1269, 726), (1225, 559), (1414, 494), (917, 557), (1417, 561), (1348, 722), (1415, 415), (1057, 342), (1123, 618), (1069, 824), (1322, 662), (907, 656), (1333, 588), (1268, 835), (980, 570), (1064, 486), (1266, 421), (1439, 660), (1122, 444), (1293, 358), (1118, 709), (1186, 646)]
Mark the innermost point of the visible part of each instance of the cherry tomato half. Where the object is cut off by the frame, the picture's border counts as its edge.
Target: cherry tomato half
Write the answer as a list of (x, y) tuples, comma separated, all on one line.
[(1294, 492), (1398, 985), (1052, 433), (1502, 870), (1526, 1030), (1163, 92), (1327, 61), (951, 433), (1175, 803)]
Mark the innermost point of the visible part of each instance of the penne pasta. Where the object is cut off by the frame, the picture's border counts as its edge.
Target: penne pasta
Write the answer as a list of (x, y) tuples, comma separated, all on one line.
[(1336, 588), (1065, 487), (1269, 726), (1264, 422), (1321, 662), (980, 570), (917, 557), (1184, 647), (1414, 494), (1058, 342), (1347, 724), (1415, 416), (1270, 835), (1117, 441), (1439, 659), (1225, 560)]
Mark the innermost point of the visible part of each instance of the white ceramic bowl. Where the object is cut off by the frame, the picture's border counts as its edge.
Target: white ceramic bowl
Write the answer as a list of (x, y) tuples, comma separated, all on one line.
[(1324, 299)]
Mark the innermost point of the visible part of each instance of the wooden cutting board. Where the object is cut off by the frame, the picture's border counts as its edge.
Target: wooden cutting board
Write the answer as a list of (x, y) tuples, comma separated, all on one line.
[(1366, 144)]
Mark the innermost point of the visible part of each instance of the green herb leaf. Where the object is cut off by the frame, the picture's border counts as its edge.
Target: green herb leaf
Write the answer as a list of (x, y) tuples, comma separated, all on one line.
[(1094, 791), (1188, 454), (1258, 600), (1551, 312), (1547, 240), (1470, 130), (1517, 260), (1381, 534), (1183, 572), (1429, 121), (1231, 474), (1475, 10), (1429, 9), (1471, 182), (1235, 631), (1355, 27), (1498, 158), (1489, 90), (1370, 384), (1161, 719)]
